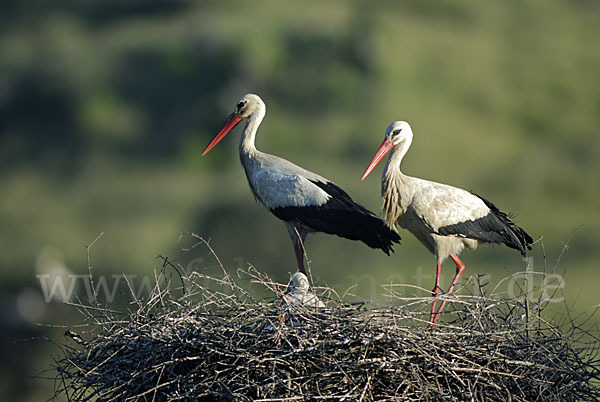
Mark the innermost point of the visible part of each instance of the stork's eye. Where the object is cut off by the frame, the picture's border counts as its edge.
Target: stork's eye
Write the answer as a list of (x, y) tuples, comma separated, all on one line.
[(397, 132), (240, 105)]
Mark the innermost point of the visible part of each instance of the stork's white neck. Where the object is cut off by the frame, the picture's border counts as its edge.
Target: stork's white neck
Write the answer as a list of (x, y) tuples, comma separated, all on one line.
[(395, 157), (247, 146), (396, 189)]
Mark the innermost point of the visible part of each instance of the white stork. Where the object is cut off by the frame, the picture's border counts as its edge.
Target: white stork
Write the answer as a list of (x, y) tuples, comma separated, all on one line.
[(443, 218), (305, 201)]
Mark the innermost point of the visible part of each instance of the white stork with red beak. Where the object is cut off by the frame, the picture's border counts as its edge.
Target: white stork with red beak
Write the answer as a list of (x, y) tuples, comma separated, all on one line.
[(305, 201), (443, 218)]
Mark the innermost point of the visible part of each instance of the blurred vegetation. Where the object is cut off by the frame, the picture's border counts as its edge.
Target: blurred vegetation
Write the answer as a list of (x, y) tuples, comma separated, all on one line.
[(106, 106)]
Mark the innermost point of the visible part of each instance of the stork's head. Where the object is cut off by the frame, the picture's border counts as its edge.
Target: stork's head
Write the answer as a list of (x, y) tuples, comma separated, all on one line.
[(397, 133), (247, 106)]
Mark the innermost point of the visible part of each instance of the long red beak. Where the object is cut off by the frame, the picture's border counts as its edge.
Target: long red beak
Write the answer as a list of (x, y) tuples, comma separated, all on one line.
[(231, 122), (384, 148)]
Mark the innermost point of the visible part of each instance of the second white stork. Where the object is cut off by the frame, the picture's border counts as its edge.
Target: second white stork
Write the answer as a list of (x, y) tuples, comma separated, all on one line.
[(443, 218), (305, 201)]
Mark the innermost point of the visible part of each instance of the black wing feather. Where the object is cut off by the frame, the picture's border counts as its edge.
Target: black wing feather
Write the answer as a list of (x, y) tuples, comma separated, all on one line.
[(496, 227), (343, 217)]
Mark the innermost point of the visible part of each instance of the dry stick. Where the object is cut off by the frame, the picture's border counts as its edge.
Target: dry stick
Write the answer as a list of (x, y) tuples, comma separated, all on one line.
[(227, 278), (564, 249), (213, 253), (166, 263), (539, 306), (528, 268), (89, 264), (566, 244), (362, 396), (135, 298), (158, 384)]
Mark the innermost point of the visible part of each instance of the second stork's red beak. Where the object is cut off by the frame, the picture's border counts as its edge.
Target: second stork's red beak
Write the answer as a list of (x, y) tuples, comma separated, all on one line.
[(384, 148), (231, 122)]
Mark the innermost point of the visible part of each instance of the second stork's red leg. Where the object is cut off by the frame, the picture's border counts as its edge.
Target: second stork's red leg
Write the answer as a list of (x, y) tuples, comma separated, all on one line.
[(434, 293), (460, 267)]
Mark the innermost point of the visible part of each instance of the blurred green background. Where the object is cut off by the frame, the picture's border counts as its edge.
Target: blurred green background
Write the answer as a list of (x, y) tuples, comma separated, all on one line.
[(106, 106)]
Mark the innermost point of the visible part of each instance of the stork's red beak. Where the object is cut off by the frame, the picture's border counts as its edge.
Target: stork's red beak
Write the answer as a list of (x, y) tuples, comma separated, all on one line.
[(384, 148), (231, 122)]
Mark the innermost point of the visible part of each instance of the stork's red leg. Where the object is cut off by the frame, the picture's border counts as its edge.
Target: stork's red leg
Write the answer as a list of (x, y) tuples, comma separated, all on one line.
[(460, 267), (299, 250), (436, 291), (297, 236)]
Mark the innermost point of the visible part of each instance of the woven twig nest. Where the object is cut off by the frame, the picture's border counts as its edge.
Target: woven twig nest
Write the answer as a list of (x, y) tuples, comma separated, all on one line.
[(218, 341)]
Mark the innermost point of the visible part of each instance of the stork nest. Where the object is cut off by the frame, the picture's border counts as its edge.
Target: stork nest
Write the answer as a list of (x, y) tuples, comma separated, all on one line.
[(216, 340)]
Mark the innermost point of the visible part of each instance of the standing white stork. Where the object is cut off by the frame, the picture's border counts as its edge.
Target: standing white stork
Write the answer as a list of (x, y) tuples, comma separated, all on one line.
[(443, 218), (305, 201)]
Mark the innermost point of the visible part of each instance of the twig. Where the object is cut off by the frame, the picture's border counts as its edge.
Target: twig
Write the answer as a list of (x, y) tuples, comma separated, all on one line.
[(89, 265)]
